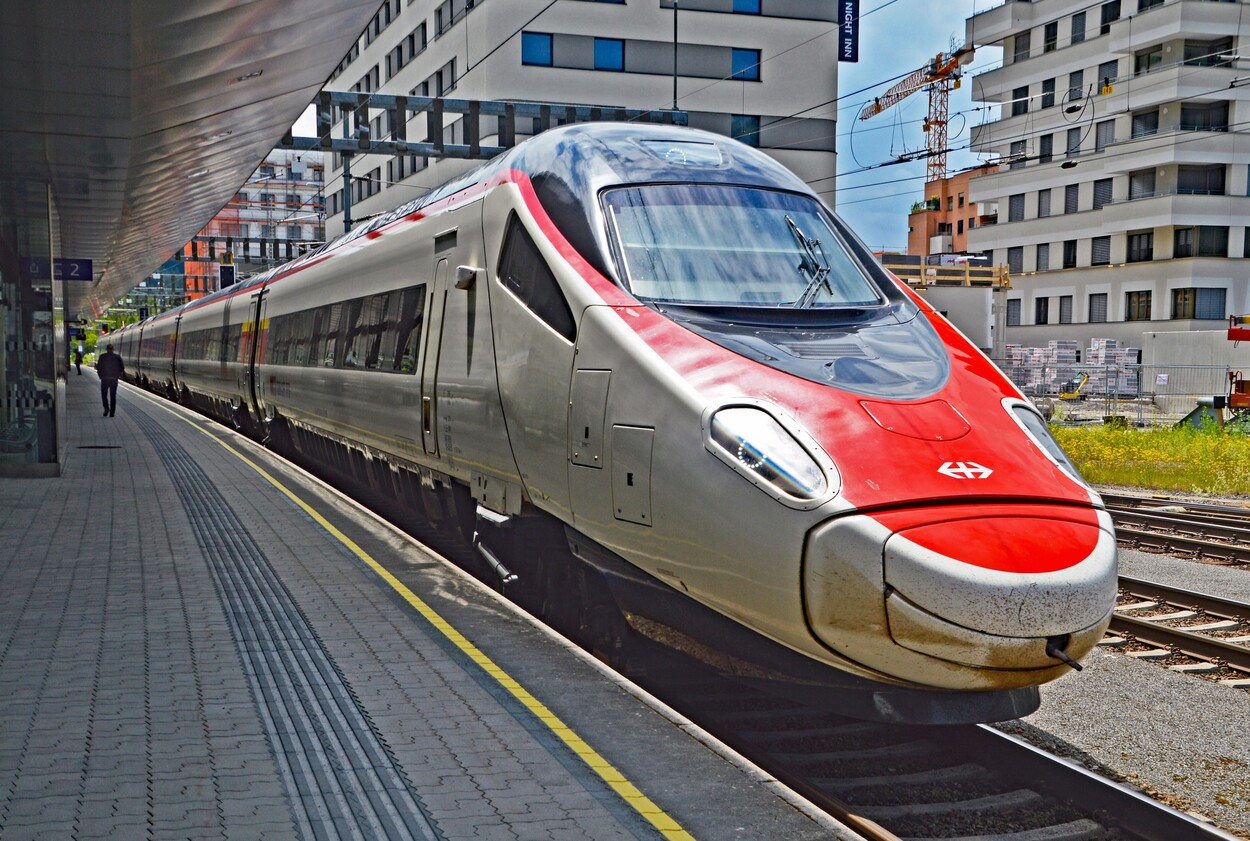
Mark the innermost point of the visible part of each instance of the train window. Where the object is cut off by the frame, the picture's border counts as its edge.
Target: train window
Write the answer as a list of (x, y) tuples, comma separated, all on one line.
[(317, 344), (735, 246), (407, 333), (333, 324), (524, 272)]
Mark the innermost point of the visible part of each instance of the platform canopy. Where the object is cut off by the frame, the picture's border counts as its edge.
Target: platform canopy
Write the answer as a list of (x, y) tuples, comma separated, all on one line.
[(141, 118)]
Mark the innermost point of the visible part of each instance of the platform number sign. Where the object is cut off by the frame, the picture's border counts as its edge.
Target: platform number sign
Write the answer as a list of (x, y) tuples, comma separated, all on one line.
[(67, 268)]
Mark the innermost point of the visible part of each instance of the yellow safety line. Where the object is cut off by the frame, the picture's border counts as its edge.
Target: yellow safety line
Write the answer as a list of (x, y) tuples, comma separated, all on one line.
[(640, 803)]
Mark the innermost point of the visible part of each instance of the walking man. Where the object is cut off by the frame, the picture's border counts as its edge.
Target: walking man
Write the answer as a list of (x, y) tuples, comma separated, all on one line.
[(110, 368)]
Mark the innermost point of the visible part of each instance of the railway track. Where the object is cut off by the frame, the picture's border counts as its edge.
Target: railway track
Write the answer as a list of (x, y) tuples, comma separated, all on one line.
[(1163, 524), (891, 782), (1185, 631)]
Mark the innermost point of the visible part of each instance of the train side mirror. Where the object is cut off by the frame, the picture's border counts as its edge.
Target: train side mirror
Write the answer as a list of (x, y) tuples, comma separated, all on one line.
[(466, 276)]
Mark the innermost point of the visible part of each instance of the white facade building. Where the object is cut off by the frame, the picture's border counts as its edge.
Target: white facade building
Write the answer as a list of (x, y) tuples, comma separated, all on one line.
[(746, 68), (1123, 206)]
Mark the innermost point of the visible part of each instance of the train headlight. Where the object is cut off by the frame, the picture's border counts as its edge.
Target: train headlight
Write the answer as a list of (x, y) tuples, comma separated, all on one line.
[(763, 450)]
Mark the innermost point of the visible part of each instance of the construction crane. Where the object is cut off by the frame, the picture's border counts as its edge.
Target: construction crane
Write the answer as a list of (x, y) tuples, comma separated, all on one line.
[(940, 76)]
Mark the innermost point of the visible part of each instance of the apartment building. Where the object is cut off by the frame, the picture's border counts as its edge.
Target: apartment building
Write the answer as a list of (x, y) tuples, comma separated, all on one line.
[(750, 69), (1123, 195), (942, 222), (276, 216)]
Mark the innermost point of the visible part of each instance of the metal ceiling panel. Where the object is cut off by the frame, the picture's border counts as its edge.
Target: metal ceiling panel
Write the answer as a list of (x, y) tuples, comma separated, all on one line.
[(146, 116)]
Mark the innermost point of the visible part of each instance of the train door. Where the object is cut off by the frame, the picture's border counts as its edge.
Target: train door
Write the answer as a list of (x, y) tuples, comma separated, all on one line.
[(430, 357), (176, 340), (534, 334), (252, 357)]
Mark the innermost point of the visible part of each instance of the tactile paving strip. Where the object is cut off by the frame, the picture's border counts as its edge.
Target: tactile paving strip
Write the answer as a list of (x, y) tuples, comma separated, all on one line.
[(342, 779)]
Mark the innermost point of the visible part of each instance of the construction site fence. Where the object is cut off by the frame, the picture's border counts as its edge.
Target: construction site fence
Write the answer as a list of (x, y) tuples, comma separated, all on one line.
[(1133, 394)]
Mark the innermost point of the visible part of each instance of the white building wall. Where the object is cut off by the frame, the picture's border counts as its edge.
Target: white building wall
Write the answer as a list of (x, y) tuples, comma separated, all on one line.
[(484, 46), (1169, 87)]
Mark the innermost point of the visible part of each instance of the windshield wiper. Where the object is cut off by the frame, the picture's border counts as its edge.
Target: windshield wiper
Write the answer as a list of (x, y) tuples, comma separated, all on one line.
[(813, 265)]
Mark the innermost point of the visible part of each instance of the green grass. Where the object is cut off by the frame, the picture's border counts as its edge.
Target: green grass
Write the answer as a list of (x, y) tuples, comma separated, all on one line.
[(1187, 460)]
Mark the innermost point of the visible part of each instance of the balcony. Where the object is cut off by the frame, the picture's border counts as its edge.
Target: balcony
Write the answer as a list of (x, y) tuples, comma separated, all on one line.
[(1172, 208), (1196, 18), (987, 28)]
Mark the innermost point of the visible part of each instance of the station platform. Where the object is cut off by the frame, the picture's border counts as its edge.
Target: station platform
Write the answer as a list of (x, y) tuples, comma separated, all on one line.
[(200, 641)]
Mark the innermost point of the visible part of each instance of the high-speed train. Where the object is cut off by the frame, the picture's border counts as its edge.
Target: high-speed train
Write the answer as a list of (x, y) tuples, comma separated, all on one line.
[(659, 343)]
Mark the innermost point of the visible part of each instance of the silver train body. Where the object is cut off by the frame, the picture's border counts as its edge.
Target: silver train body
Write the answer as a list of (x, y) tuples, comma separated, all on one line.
[(661, 340)]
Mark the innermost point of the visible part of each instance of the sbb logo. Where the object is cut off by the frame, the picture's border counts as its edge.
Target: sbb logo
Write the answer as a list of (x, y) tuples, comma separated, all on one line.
[(964, 470)]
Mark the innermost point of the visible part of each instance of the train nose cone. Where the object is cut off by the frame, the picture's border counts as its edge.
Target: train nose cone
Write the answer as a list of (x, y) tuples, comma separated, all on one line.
[(968, 596)]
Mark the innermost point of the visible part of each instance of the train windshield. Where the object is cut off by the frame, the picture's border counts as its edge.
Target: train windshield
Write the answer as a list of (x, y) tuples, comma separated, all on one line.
[(736, 246)]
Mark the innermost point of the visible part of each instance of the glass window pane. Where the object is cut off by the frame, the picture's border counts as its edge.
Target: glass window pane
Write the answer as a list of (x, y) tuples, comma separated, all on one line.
[(704, 244), (746, 64), (609, 54), (536, 48)]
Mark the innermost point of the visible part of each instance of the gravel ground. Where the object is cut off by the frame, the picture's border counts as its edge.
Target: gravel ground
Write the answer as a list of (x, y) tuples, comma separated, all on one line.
[(1183, 739)]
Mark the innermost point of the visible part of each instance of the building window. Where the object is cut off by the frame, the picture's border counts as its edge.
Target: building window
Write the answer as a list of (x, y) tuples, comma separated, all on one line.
[(1109, 13), (1017, 154), (1065, 309), (1107, 73), (959, 226), (1143, 5), (536, 49), (1046, 148), (1069, 254), (1102, 193), (1146, 60), (961, 199), (1245, 244), (746, 128), (1048, 93), (1020, 101), (1141, 247), (1141, 184), (1071, 198), (1013, 312), (746, 65), (1098, 307), (1146, 124), (1076, 85), (1212, 241), (1100, 251), (1015, 259), (1078, 27), (1211, 116), (1207, 53), (1043, 203), (1074, 142), (1205, 304), (1200, 180), (1050, 36), (610, 54), (1041, 311), (1015, 208), (1021, 46), (1104, 135), (1043, 257), (1200, 241), (1183, 242), (1137, 306)]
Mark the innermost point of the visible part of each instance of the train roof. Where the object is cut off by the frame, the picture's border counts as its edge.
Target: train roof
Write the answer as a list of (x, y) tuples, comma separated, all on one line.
[(568, 166)]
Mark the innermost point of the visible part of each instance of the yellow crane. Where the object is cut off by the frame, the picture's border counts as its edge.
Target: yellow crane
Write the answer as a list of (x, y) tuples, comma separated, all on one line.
[(940, 76)]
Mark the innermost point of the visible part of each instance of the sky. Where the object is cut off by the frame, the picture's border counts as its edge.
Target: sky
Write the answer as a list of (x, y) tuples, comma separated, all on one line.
[(896, 37)]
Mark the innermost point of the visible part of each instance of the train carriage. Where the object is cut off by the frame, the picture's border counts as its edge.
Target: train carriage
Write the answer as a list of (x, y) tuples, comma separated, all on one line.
[(662, 344)]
